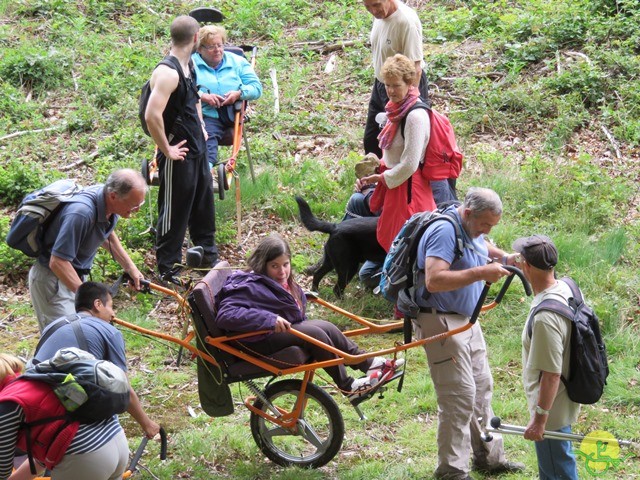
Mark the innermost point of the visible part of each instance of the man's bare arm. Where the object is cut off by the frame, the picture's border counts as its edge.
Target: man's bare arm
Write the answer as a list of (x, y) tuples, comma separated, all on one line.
[(164, 81)]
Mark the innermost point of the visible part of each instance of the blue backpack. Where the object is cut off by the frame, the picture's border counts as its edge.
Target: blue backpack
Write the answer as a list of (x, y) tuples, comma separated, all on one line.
[(34, 214), (400, 275)]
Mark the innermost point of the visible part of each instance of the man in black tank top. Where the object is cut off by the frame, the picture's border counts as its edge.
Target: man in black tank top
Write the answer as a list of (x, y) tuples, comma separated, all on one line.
[(174, 119)]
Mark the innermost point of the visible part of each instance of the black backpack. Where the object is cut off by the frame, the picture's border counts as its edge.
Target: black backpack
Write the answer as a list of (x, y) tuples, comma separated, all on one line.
[(588, 366), (90, 390), (145, 93), (400, 275)]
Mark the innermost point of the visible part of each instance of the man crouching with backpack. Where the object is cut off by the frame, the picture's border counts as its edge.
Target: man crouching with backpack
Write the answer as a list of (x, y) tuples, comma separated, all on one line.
[(105, 342), (545, 358)]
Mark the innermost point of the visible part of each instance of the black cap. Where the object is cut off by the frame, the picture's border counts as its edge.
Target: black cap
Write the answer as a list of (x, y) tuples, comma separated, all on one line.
[(537, 250)]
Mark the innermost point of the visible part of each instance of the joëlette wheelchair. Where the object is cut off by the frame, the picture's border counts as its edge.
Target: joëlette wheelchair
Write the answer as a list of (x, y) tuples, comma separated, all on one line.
[(293, 421)]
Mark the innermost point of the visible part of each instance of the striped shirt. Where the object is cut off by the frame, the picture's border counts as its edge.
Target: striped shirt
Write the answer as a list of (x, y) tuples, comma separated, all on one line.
[(90, 436)]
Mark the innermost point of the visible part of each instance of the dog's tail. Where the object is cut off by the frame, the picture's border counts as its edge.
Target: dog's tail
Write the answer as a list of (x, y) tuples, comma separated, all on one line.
[(310, 222)]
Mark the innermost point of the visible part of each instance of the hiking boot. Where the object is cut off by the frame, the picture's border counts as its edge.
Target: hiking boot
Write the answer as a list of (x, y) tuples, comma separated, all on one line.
[(171, 276), (362, 386), (385, 366), (209, 260), (505, 467)]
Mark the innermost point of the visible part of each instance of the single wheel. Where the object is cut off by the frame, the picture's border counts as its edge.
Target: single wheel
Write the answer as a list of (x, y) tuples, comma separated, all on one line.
[(313, 441), (144, 170), (222, 181)]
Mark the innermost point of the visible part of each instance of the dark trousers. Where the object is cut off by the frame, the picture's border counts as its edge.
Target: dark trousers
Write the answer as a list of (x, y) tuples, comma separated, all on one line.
[(185, 201), (377, 102), (324, 331)]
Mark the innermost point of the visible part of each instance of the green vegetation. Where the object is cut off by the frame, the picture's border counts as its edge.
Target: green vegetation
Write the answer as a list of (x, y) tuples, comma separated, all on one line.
[(543, 95)]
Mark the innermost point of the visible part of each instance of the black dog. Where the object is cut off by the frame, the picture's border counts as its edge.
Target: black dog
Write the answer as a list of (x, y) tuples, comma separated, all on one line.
[(350, 243)]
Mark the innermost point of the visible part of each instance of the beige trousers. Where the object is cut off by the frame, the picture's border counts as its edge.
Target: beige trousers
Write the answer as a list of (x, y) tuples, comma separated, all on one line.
[(109, 462), (462, 380)]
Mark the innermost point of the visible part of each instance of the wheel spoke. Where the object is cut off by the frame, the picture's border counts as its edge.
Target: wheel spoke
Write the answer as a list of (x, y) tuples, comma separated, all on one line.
[(314, 440), (308, 432), (276, 431)]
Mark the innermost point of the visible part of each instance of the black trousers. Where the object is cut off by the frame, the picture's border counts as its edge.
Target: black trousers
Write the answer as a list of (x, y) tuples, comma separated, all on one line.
[(377, 102), (185, 201)]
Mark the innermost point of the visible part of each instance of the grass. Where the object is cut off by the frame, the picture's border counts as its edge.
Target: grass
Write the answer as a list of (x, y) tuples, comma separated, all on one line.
[(531, 86)]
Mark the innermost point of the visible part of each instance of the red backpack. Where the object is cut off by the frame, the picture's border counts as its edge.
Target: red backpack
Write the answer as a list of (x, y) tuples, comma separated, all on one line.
[(442, 158)]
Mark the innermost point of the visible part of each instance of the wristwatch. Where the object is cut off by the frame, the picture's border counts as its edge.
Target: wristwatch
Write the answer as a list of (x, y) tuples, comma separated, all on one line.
[(541, 411)]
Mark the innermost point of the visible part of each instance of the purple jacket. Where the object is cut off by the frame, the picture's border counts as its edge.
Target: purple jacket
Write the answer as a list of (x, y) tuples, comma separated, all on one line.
[(250, 302)]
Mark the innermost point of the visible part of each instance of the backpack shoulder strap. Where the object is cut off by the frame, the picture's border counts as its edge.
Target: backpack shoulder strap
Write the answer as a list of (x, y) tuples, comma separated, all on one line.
[(576, 294), (61, 322), (459, 250), (550, 305), (419, 104), (80, 336), (173, 62)]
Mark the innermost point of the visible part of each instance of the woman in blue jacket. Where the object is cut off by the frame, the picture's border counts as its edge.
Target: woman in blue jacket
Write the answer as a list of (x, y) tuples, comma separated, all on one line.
[(223, 78), (268, 298)]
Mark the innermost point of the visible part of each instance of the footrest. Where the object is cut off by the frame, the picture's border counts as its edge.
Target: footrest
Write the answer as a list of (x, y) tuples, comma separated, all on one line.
[(380, 387)]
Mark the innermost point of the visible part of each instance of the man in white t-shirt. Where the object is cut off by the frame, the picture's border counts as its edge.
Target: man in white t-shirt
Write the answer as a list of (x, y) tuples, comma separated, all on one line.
[(396, 29), (545, 358)]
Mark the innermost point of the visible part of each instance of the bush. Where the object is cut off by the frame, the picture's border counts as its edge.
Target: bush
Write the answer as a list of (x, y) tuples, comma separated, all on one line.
[(12, 262), (13, 107), (34, 67), (17, 179), (587, 80)]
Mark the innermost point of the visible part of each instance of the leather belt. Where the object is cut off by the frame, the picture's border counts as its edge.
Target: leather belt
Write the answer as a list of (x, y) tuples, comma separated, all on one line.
[(433, 311)]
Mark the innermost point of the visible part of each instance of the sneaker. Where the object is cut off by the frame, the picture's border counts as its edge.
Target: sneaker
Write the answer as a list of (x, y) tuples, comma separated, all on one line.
[(385, 366), (364, 385)]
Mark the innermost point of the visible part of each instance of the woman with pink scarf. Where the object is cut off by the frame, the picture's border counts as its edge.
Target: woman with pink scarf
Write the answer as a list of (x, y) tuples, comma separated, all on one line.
[(401, 189)]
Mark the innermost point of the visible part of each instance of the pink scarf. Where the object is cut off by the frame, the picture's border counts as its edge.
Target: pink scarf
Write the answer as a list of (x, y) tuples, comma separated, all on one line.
[(395, 113)]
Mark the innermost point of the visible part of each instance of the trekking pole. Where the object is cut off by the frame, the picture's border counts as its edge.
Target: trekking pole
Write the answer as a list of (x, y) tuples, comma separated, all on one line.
[(498, 427)]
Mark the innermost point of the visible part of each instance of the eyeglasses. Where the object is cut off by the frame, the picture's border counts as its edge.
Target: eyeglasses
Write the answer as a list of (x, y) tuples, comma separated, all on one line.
[(216, 46), (137, 207)]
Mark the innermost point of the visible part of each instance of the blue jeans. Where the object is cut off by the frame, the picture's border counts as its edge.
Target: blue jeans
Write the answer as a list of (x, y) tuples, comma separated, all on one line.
[(215, 130), (555, 458), (358, 206), (369, 273)]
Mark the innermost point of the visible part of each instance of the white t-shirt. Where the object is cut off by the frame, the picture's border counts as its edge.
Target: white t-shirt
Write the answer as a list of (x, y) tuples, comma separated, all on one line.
[(548, 350), (400, 32)]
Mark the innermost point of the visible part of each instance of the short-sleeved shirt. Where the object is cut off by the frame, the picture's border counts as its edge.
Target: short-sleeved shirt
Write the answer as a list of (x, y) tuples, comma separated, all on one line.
[(548, 350), (104, 341), (400, 32), (79, 229), (439, 240)]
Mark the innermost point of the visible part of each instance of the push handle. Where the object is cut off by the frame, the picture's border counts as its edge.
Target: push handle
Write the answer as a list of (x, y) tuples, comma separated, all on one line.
[(505, 286), (143, 444)]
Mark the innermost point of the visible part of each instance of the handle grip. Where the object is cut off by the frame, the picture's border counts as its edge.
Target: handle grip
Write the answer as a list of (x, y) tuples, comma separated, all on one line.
[(143, 444)]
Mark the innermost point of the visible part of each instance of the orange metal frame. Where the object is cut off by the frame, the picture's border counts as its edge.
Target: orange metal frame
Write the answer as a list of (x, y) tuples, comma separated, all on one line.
[(289, 419)]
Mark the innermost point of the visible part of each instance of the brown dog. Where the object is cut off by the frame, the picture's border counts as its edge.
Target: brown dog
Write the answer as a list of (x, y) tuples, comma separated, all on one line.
[(349, 244)]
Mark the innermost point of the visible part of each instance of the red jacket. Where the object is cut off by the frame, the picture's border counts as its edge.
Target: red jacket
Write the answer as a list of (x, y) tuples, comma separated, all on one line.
[(49, 441), (398, 204)]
